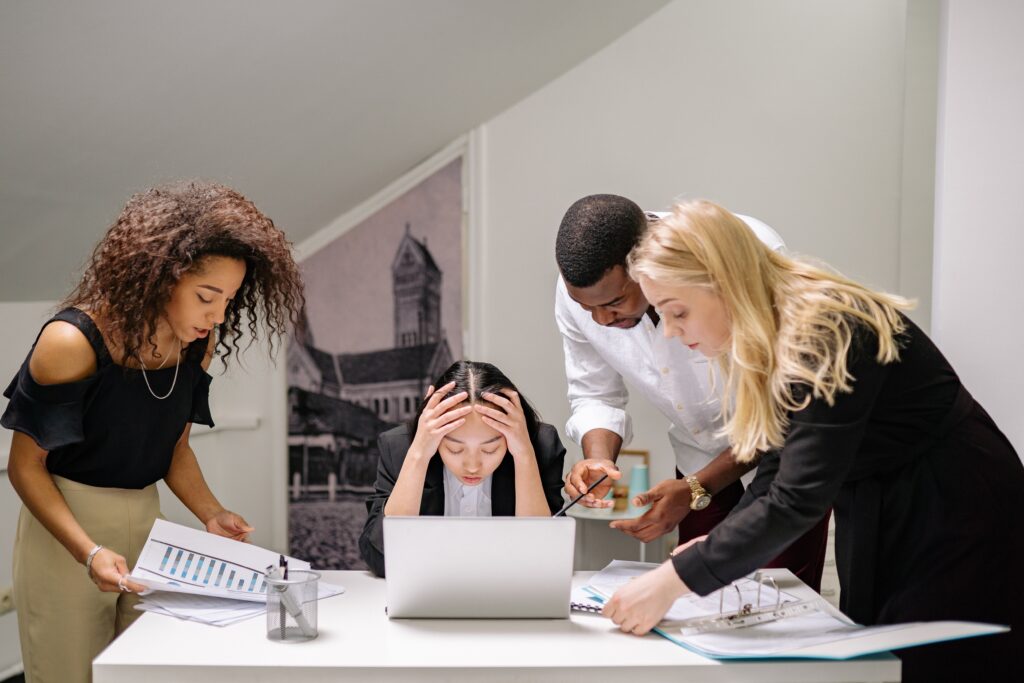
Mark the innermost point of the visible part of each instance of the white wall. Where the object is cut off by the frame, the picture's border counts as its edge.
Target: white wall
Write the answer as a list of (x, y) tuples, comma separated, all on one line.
[(21, 322), (978, 316), (244, 457)]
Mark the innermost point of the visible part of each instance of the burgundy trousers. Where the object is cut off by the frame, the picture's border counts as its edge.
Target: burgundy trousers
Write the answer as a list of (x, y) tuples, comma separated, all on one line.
[(805, 557)]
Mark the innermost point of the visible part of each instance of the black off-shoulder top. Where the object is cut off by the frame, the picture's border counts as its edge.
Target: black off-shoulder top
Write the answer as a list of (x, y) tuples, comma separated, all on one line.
[(108, 430)]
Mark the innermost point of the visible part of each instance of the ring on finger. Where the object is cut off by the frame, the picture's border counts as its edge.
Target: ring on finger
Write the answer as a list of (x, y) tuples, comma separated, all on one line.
[(120, 584)]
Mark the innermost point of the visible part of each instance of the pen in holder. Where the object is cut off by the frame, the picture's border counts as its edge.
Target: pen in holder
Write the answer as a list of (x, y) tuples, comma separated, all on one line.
[(291, 605)]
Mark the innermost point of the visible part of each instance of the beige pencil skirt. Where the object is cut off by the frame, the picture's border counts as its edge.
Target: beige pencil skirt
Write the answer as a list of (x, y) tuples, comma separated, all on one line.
[(65, 621)]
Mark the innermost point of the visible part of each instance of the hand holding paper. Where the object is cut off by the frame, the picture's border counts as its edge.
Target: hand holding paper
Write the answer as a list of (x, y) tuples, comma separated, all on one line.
[(639, 605), (230, 525)]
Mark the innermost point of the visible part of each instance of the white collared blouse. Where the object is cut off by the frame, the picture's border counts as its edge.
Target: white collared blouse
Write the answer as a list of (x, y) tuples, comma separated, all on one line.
[(466, 501)]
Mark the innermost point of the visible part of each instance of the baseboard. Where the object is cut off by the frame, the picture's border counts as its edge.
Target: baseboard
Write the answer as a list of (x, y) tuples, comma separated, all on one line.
[(11, 671)]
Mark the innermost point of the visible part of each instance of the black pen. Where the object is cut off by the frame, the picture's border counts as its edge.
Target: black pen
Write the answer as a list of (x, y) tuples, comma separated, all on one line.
[(577, 499), (282, 615)]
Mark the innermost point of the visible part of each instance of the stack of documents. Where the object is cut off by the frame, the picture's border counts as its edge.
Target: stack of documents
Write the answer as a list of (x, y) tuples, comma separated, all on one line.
[(201, 608), (199, 576), (752, 619)]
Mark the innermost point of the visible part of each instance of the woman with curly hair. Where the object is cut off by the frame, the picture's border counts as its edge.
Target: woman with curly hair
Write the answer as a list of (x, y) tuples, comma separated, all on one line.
[(844, 403), (103, 405)]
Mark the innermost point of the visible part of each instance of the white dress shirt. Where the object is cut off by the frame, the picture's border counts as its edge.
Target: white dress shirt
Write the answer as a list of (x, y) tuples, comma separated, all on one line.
[(681, 383), (466, 501)]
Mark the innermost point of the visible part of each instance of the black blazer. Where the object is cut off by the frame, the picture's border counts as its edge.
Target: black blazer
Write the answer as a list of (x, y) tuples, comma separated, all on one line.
[(393, 445)]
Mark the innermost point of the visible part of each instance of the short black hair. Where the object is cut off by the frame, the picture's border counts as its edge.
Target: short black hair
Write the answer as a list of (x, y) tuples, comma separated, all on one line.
[(596, 234)]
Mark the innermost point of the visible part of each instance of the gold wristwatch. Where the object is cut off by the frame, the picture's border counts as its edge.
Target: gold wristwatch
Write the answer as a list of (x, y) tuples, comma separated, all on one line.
[(699, 498)]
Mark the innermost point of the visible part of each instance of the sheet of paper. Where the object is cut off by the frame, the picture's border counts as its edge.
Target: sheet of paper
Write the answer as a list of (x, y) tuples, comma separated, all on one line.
[(692, 606), (185, 560), (208, 610), (223, 619)]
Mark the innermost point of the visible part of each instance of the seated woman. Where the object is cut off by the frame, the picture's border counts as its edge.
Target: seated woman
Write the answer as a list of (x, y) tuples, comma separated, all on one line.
[(495, 457)]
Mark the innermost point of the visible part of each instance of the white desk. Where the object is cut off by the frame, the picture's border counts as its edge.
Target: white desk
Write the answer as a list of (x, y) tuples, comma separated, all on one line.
[(358, 643)]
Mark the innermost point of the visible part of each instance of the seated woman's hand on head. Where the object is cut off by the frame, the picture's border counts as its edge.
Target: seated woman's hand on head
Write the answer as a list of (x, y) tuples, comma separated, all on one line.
[(508, 419), (472, 434), (440, 417)]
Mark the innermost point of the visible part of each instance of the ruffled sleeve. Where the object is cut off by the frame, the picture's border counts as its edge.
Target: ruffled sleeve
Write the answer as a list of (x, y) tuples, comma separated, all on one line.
[(201, 400), (52, 414)]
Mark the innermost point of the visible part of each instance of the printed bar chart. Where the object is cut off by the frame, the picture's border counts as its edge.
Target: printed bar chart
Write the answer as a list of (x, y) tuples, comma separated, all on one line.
[(185, 566), (186, 560)]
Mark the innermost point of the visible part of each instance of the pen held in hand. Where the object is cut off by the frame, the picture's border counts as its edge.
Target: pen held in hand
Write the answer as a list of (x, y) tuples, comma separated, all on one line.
[(578, 498)]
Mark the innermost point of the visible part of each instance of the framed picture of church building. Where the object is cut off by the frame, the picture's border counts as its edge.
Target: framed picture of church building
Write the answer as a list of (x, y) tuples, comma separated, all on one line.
[(383, 319)]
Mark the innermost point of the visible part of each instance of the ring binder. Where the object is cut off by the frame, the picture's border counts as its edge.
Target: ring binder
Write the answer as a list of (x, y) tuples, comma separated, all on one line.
[(584, 607), (807, 627), (707, 625), (747, 613)]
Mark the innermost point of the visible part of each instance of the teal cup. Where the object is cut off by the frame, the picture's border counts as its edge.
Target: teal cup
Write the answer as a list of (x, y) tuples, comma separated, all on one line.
[(639, 481)]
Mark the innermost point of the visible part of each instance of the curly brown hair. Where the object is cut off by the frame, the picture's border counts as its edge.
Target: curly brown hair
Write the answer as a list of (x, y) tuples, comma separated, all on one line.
[(168, 230)]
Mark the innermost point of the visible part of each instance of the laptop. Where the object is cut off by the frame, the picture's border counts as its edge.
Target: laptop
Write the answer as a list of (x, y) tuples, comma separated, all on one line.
[(479, 567)]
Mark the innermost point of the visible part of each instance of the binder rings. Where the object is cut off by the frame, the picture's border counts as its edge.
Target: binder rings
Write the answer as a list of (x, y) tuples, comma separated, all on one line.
[(754, 619)]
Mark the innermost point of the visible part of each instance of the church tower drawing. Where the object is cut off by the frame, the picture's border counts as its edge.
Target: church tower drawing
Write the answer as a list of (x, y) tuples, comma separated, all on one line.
[(417, 293), (386, 384)]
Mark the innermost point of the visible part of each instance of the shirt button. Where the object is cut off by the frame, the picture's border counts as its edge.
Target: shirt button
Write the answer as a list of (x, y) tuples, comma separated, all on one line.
[(664, 371), (679, 407)]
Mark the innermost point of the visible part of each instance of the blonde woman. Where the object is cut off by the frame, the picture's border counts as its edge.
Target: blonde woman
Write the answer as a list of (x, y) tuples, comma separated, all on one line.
[(846, 404)]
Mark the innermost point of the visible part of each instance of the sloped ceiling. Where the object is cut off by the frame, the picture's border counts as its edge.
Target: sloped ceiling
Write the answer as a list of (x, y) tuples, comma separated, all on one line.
[(306, 106)]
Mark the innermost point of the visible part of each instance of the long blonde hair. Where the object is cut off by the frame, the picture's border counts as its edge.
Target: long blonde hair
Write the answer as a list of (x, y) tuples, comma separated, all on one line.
[(792, 323)]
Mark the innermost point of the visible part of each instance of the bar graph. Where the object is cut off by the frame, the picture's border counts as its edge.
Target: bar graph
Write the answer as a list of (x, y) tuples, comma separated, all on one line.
[(185, 560), (185, 566)]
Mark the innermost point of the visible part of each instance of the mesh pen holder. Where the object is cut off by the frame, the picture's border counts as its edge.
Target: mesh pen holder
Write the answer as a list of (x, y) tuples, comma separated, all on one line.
[(291, 607)]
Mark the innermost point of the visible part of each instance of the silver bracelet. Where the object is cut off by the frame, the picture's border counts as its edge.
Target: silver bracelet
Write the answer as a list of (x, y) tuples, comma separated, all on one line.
[(88, 560)]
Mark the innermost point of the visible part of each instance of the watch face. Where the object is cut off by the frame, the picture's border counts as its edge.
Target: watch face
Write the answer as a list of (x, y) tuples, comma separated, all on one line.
[(701, 502)]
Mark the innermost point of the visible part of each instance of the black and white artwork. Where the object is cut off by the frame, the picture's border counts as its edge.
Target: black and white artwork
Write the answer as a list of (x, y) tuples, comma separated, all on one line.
[(383, 319)]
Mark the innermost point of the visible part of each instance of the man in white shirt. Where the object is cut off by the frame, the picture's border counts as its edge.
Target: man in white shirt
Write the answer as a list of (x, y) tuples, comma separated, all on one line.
[(611, 335)]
